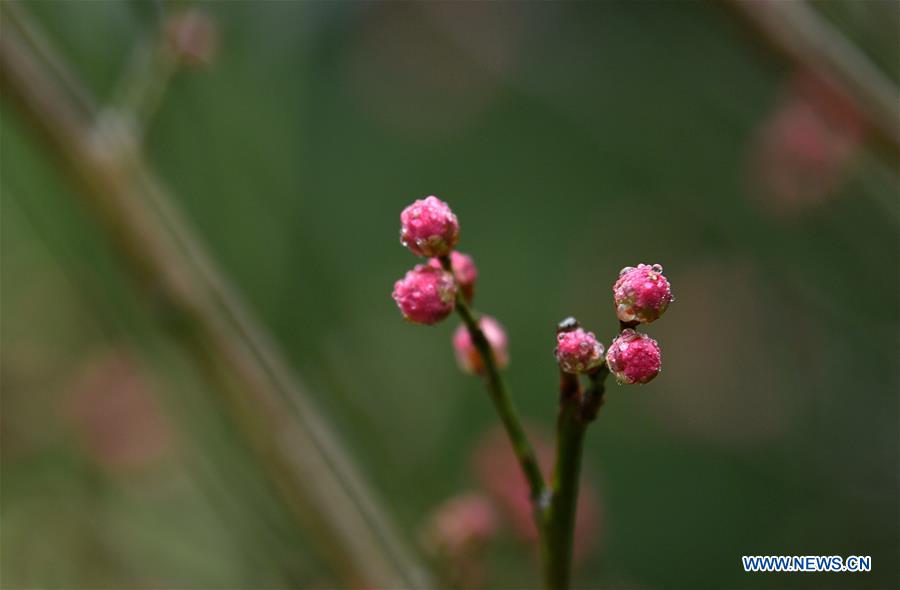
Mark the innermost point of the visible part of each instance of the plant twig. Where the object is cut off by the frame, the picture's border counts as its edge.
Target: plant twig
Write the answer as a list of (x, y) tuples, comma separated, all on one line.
[(593, 395), (502, 401), (576, 412), (280, 423), (143, 86), (560, 517), (41, 49)]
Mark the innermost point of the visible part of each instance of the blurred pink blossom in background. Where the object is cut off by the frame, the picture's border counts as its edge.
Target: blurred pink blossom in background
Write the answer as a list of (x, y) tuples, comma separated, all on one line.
[(804, 147), (498, 473), (462, 521), (115, 416), (457, 532)]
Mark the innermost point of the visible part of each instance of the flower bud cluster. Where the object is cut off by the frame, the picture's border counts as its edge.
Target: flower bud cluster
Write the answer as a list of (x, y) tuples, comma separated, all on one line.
[(641, 295), (429, 292)]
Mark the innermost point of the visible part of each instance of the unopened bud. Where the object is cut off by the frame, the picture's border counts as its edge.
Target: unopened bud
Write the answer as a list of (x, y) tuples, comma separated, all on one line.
[(633, 357), (464, 270), (192, 37), (578, 351), (467, 355), (429, 228), (425, 295), (641, 293)]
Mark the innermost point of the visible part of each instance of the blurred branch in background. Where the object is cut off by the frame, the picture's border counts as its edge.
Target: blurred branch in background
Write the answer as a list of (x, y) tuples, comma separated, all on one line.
[(805, 37), (304, 460)]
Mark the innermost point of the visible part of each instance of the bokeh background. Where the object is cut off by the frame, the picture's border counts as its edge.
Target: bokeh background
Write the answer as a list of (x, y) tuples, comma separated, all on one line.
[(571, 139)]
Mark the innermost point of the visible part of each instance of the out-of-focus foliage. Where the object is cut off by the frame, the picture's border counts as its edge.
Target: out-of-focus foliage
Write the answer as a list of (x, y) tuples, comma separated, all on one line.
[(571, 140)]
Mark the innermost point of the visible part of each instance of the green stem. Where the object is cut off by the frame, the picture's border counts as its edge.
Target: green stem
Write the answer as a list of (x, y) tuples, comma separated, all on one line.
[(593, 396), (575, 414), (561, 516), (144, 83), (503, 403)]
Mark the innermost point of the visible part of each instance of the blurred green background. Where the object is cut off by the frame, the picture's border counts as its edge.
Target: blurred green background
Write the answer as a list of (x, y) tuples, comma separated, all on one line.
[(571, 140)]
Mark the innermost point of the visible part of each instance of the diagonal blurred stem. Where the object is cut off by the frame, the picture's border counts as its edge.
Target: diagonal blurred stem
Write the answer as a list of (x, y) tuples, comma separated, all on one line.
[(304, 460), (39, 46), (804, 36)]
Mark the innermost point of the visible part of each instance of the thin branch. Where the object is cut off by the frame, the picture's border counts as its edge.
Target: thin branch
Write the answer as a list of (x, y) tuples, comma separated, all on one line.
[(41, 48), (576, 412), (502, 400), (298, 450), (143, 85), (560, 516)]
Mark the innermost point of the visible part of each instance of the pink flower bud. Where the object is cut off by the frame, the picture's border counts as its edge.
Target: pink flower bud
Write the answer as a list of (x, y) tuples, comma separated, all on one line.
[(633, 357), (429, 228), (641, 294), (192, 37), (461, 523), (425, 295), (467, 355), (464, 270), (804, 148), (578, 351), (497, 471), (116, 416), (457, 534)]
